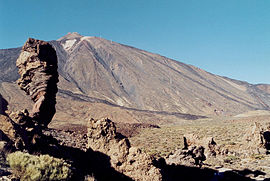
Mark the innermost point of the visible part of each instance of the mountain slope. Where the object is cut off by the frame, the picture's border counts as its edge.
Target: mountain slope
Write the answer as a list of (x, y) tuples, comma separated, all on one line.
[(120, 75)]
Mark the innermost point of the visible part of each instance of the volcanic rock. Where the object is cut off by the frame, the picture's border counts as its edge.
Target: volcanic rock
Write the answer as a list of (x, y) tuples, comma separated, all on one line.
[(7, 128), (192, 156), (12, 133), (211, 148), (37, 65), (195, 151), (102, 137), (257, 138)]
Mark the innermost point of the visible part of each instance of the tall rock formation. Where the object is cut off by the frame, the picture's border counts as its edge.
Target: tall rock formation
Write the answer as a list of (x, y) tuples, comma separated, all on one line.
[(37, 65)]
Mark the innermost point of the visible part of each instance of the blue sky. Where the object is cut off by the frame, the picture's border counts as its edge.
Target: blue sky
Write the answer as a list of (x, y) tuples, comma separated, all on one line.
[(225, 37)]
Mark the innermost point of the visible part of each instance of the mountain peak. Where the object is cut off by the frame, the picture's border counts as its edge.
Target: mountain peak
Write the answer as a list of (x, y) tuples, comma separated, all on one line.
[(70, 36), (99, 70)]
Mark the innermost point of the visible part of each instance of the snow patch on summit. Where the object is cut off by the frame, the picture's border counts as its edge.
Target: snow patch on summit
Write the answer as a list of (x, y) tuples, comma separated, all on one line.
[(68, 44), (85, 38)]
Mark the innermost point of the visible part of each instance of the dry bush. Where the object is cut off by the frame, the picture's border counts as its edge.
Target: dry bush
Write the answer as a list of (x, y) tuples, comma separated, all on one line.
[(43, 167)]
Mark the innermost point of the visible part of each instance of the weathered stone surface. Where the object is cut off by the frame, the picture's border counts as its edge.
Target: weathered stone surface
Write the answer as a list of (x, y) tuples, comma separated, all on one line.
[(12, 132), (257, 139), (192, 156), (211, 148), (37, 65), (7, 127), (102, 137), (195, 151)]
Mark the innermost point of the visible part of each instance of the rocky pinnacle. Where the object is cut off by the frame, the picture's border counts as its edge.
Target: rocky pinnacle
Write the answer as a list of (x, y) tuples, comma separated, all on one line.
[(37, 65)]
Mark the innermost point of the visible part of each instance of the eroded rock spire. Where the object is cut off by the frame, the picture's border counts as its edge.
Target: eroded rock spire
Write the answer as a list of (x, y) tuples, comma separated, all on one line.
[(37, 65)]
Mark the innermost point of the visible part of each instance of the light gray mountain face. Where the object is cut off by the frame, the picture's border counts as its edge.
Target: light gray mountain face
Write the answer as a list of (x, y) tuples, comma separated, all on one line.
[(8, 70), (97, 70)]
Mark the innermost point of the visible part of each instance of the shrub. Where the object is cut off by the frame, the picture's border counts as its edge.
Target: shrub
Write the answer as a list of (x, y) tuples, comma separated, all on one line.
[(257, 156), (231, 158), (43, 167)]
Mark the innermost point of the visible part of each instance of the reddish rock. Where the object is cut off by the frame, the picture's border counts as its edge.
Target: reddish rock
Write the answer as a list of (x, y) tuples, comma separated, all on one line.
[(37, 65)]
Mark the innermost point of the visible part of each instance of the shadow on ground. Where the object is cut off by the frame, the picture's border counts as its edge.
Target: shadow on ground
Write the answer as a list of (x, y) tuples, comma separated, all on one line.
[(185, 173), (90, 163), (3, 105)]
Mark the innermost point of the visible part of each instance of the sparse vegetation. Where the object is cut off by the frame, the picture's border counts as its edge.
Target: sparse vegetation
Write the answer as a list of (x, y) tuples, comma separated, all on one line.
[(228, 133), (43, 167), (257, 156), (169, 138), (231, 158)]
